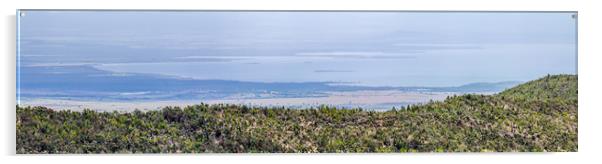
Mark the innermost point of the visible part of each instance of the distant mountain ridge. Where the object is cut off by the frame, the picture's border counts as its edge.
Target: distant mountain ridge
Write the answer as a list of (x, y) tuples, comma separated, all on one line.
[(489, 86)]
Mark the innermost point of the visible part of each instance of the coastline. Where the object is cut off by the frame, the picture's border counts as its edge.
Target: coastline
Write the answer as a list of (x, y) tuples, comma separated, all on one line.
[(370, 99)]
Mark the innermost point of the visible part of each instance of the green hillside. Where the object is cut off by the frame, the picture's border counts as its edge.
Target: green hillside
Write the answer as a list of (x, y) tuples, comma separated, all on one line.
[(540, 115), (558, 88)]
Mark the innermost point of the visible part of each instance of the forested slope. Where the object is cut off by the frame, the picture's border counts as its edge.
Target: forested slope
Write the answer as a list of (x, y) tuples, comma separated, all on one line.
[(540, 115)]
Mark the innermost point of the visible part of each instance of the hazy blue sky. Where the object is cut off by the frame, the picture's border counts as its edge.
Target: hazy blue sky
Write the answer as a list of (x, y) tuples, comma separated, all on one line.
[(367, 48)]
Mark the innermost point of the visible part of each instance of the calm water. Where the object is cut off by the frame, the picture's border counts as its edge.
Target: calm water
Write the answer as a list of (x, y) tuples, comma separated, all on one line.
[(360, 48), (429, 68)]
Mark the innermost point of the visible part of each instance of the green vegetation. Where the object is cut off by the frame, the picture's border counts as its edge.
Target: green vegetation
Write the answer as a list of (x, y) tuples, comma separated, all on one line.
[(540, 115)]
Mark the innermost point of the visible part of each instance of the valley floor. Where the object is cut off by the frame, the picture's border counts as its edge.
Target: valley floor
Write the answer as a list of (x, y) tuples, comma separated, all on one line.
[(369, 99)]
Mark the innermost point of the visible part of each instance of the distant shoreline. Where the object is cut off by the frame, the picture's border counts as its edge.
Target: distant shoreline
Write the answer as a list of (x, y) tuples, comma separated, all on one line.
[(369, 99)]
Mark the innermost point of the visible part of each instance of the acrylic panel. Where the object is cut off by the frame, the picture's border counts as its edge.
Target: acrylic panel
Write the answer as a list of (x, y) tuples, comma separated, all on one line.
[(180, 81)]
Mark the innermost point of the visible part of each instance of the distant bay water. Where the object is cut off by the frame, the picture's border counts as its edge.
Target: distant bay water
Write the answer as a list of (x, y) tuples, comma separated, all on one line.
[(438, 68)]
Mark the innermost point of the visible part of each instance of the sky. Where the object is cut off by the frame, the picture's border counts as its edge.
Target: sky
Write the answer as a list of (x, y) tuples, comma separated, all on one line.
[(360, 48)]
